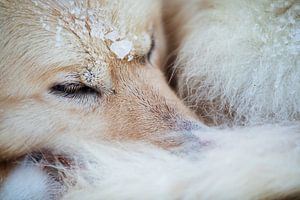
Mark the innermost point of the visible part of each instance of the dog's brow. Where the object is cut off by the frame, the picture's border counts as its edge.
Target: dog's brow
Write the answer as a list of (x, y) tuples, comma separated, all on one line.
[(96, 76)]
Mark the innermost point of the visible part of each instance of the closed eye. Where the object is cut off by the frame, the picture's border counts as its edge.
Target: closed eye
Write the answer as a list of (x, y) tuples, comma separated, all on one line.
[(73, 90)]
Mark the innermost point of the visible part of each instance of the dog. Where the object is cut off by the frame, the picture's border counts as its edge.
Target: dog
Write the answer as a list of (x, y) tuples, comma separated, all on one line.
[(97, 62), (86, 112)]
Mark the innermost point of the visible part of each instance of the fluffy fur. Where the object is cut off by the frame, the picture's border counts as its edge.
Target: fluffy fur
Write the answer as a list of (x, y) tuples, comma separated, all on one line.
[(251, 163), (257, 163), (29, 183), (239, 61), (129, 136)]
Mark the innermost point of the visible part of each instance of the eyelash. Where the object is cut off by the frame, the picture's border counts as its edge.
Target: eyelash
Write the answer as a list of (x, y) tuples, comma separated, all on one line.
[(74, 90)]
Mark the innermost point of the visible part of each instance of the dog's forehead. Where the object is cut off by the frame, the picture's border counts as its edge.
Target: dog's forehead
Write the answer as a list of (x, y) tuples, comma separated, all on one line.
[(100, 27), (68, 32), (103, 31)]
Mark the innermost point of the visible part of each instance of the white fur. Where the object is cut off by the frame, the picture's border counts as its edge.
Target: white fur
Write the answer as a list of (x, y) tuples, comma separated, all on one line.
[(249, 163), (241, 57), (28, 182), (234, 53)]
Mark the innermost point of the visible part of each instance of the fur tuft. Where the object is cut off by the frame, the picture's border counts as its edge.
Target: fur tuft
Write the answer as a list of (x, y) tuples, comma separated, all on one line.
[(240, 60), (249, 163), (29, 182)]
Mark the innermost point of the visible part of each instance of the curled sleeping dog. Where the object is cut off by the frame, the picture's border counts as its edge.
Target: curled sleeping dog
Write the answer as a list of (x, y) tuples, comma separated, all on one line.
[(86, 112), (74, 71)]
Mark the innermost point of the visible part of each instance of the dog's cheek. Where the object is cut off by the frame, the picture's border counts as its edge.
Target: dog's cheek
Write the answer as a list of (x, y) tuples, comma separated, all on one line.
[(33, 127)]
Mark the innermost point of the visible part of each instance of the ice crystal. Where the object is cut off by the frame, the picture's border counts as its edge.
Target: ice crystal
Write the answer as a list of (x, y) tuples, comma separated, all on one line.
[(121, 48)]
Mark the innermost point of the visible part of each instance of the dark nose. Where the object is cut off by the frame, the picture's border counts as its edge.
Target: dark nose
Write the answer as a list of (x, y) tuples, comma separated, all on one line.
[(186, 137), (188, 125)]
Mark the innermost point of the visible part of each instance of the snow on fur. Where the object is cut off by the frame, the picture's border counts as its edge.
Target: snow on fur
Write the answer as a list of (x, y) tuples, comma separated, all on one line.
[(75, 15), (242, 58)]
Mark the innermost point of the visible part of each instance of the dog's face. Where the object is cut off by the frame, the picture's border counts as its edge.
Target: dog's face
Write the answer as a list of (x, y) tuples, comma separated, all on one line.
[(83, 69)]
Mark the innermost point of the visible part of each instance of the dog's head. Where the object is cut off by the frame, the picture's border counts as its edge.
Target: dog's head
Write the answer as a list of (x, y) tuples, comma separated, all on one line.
[(84, 69)]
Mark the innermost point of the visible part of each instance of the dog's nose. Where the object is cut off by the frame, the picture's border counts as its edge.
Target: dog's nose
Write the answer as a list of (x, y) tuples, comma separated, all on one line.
[(182, 138), (189, 125)]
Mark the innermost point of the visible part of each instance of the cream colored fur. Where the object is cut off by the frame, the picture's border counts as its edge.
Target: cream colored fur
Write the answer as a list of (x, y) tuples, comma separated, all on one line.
[(250, 163), (256, 163), (138, 141), (239, 60)]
